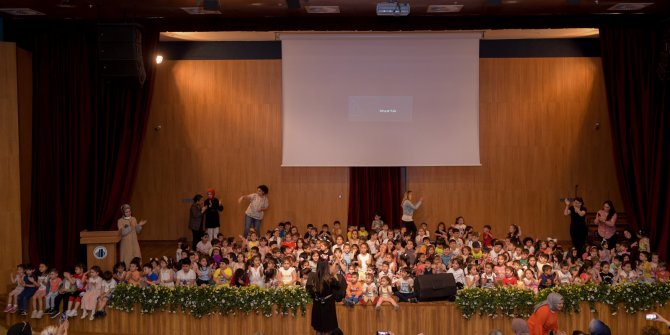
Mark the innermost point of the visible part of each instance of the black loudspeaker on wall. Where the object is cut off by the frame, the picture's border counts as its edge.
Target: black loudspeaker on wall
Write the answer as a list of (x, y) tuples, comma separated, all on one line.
[(120, 52), (440, 286)]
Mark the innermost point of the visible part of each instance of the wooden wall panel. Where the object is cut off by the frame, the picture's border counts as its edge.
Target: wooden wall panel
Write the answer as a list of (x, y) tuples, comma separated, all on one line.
[(537, 141), (24, 63), (428, 318), (10, 199), (221, 127)]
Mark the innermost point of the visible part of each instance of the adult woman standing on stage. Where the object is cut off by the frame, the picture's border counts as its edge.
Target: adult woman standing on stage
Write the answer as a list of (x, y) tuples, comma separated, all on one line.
[(408, 209), (578, 230), (129, 228), (323, 285), (545, 317), (212, 208), (606, 221), (195, 218)]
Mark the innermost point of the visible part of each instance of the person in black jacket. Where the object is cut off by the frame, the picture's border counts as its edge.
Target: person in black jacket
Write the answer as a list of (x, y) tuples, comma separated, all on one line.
[(326, 288), (213, 207), (195, 218)]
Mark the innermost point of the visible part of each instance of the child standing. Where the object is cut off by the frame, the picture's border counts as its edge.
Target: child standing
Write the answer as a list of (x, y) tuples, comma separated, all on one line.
[(165, 275), (287, 274), (377, 223), (89, 300), (16, 279), (487, 236), (256, 271)]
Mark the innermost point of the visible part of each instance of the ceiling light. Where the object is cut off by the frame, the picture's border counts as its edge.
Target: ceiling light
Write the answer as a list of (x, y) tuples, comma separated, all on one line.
[(444, 8), (322, 9), (392, 9), (199, 11), (159, 59), (65, 4), (630, 6), (20, 11)]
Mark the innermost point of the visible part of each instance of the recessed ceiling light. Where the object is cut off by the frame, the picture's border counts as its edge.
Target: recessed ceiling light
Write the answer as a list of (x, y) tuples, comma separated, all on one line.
[(322, 9), (199, 11), (444, 8), (256, 4), (630, 6), (66, 4), (20, 11)]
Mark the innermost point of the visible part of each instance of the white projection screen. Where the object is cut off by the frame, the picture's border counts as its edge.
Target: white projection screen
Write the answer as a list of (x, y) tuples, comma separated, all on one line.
[(380, 99)]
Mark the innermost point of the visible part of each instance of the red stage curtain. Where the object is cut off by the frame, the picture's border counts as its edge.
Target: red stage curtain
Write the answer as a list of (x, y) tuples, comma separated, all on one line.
[(374, 189), (638, 109), (87, 135)]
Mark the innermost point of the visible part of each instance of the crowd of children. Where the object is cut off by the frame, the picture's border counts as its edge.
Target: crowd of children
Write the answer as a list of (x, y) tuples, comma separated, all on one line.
[(89, 290), (379, 266)]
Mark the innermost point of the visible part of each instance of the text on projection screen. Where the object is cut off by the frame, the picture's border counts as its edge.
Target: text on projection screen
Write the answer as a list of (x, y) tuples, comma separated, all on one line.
[(380, 100)]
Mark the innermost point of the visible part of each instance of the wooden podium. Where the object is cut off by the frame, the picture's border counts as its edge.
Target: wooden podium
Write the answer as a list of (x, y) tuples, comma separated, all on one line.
[(101, 248)]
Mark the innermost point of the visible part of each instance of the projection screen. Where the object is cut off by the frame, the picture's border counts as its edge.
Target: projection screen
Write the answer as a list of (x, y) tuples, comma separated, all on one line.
[(380, 99)]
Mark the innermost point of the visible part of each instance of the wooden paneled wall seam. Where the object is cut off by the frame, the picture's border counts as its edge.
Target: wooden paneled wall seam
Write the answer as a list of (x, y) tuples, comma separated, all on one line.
[(10, 170)]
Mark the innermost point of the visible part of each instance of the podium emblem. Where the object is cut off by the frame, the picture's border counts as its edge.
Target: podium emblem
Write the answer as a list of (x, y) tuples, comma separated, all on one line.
[(100, 252)]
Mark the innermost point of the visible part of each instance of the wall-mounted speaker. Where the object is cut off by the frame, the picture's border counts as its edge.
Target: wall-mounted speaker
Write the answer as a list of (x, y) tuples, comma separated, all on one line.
[(120, 52), (293, 4), (211, 5)]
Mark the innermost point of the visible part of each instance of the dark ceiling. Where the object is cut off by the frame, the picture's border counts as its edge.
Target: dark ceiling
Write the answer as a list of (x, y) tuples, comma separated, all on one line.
[(353, 14)]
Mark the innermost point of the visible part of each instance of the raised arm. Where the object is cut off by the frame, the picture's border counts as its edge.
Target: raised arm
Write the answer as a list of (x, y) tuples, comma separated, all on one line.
[(612, 221)]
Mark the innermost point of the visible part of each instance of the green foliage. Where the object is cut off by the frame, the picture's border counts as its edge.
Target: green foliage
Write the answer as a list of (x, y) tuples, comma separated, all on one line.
[(201, 301), (515, 302)]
